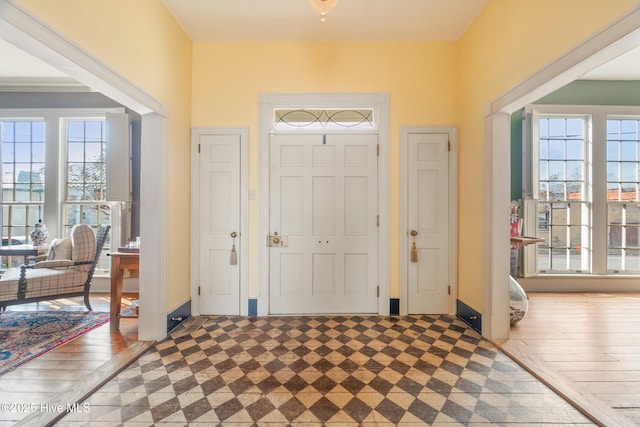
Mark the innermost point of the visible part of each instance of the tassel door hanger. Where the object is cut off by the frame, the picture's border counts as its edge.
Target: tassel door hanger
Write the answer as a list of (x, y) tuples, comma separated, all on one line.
[(414, 249), (233, 259)]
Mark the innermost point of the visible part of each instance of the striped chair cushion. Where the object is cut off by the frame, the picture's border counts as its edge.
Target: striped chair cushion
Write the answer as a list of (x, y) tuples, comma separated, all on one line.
[(41, 282)]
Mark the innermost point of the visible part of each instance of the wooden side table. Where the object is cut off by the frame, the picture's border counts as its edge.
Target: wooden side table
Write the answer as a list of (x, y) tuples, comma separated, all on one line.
[(120, 261)]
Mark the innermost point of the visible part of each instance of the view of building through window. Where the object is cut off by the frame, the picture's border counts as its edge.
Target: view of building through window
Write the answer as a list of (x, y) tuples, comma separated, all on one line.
[(22, 169), (568, 186), (563, 208), (79, 175), (86, 174), (623, 202)]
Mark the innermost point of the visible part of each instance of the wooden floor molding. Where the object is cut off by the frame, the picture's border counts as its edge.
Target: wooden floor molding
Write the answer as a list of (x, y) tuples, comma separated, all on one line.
[(84, 387), (592, 407), (66, 373), (586, 347)]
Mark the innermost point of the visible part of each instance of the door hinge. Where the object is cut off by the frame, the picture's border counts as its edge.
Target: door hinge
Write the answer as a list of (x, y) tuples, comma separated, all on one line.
[(378, 150), (198, 148), (198, 290), (378, 291), (378, 221), (449, 290), (448, 145)]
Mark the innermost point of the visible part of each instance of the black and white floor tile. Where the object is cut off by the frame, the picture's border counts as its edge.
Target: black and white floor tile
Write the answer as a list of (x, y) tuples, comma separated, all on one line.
[(325, 370)]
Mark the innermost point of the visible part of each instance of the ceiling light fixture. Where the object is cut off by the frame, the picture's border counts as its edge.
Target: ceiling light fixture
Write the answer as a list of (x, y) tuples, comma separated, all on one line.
[(323, 7)]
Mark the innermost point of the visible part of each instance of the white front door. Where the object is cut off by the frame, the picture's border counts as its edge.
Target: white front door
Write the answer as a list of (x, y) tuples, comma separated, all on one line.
[(323, 207), (428, 223), (219, 217)]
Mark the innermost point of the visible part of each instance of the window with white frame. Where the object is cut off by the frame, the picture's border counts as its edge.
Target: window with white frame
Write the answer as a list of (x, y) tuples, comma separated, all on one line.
[(623, 201), (54, 165), (22, 166), (585, 163)]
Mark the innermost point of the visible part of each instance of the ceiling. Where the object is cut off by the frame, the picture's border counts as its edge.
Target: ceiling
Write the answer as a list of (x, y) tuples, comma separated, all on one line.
[(257, 20), (289, 20)]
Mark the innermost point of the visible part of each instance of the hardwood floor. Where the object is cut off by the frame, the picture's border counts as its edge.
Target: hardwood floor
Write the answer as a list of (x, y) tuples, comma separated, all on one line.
[(586, 346), (70, 371)]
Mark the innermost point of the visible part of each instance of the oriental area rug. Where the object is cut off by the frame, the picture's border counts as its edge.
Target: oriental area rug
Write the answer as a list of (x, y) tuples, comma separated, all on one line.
[(25, 335)]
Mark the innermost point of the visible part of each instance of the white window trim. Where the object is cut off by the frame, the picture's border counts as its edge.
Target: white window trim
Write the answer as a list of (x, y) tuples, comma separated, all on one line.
[(596, 176), (56, 157)]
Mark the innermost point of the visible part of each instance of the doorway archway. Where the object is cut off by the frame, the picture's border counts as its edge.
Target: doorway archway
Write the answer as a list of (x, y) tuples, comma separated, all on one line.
[(619, 37)]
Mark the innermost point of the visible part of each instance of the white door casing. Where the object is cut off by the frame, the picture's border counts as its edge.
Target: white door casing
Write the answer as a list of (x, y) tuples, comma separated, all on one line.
[(379, 102), (219, 209), (429, 210), (323, 205)]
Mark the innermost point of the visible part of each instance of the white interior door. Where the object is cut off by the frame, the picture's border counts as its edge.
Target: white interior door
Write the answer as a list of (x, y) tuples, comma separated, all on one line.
[(323, 205), (427, 218), (219, 217)]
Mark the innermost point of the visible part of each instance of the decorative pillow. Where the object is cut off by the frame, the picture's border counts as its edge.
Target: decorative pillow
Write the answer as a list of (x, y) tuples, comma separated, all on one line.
[(60, 249)]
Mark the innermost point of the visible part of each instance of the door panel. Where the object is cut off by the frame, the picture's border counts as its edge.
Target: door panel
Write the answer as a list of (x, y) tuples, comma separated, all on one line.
[(324, 206), (291, 208), (428, 215), (219, 164)]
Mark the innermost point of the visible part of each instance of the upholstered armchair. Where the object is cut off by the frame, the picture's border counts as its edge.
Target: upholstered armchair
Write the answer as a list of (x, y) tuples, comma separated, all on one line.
[(67, 271)]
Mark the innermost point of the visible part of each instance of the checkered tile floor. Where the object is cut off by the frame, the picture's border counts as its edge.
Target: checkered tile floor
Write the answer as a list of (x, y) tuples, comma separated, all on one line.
[(325, 370)]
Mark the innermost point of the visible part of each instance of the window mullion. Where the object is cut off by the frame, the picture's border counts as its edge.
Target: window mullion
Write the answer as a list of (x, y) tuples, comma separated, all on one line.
[(52, 171), (598, 184)]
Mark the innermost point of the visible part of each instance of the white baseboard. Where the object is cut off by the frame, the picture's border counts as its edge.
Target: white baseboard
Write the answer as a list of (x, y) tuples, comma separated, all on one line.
[(580, 283)]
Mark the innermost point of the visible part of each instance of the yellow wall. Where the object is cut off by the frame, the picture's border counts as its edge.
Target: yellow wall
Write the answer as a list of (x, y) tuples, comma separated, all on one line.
[(141, 41), (228, 78), (508, 42)]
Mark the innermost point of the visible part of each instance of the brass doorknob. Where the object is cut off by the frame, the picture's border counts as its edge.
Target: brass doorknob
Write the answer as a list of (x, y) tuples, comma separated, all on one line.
[(234, 234), (414, 233), (276, 240)]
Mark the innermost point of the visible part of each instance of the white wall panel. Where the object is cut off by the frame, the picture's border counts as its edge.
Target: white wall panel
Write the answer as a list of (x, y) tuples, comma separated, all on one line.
[(428, 270), (219, 272), (428, 202), (324, 156), (324, 202), (427, 152), (355, 205), (219, 195), (355, 274), (219, 153), (355, 156), (291, 156), (291, 274), (324, 274), (291, 205)]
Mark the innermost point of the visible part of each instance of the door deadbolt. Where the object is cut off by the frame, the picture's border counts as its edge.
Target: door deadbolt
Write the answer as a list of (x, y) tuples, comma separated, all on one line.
[(277, 241)]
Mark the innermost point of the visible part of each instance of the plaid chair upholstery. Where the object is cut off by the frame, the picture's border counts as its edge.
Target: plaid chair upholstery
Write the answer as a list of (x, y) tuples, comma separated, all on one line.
[(83, 246), (52, 279)]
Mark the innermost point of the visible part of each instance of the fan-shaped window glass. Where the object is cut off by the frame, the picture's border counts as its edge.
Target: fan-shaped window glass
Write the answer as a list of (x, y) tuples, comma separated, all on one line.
[(324, 118)]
